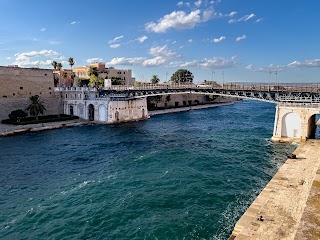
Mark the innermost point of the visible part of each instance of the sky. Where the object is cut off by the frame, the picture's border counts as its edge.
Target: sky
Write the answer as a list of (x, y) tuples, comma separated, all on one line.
[(219, 40)]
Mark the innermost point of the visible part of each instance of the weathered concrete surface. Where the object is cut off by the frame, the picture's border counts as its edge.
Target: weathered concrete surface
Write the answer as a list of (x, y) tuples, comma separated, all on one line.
[(9, 130), (309, 227), (283, 201)]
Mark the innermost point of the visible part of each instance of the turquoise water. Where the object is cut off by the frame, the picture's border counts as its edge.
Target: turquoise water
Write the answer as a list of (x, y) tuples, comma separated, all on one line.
[(187, 175)]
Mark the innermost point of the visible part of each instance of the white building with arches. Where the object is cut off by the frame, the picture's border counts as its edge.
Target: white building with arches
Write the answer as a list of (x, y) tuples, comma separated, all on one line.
[(86, 104), (294, 123)]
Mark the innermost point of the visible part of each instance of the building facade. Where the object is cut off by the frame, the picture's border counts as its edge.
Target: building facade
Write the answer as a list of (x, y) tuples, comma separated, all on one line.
[(87, 104), (124, 75), (18, 84)]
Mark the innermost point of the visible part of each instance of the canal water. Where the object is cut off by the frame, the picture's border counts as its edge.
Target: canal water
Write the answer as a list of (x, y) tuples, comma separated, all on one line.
[(188, 175)]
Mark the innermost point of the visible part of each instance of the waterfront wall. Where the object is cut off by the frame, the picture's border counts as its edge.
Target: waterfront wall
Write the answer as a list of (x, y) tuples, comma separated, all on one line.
[(18, 84)]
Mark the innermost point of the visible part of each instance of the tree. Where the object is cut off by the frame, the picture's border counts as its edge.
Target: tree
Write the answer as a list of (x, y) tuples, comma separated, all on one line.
[(115, 81), (93, 71), (137, 84), (73, 76), (96, 81), (16, 115), (182, 76), (55, 81), (59, 67), (71, 62), (155, 79), (35, 106), (54, 64), (64, 76)]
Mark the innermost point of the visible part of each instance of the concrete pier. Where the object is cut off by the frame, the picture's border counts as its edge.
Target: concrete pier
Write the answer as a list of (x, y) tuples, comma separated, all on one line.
[(289, 206)]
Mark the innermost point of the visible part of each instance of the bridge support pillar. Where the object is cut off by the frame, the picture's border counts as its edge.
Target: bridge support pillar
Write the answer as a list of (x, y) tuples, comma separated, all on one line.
[(294, 124)]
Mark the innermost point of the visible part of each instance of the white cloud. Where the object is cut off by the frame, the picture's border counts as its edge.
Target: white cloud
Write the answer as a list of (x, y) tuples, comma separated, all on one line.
[(208, 15), (176, 20), (174, 42), (243, 37), (92, 60), (43, 29), (198, 3), (115, 45), (161, 55), (8, 58), (243, 19), (75, 22), (259, 20), (41, 58), (306, 63), (126, 61), (116, 39), (190, 40), (211, 63), (163, 51), (142, 39), (179, 4), (232, 14), (217, 40)]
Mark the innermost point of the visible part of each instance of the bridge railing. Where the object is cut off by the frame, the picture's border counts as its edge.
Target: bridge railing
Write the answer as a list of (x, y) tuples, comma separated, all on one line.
[(236, 86)]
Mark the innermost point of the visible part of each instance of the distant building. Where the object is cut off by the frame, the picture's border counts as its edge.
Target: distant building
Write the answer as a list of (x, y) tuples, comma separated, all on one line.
[(63, 82), (124, 75)]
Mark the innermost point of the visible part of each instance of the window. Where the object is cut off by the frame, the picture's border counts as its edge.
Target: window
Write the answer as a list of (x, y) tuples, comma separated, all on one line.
[(49, 88), (66, 95), (45, 74), (13, 94), (21, 88), (4, 96)]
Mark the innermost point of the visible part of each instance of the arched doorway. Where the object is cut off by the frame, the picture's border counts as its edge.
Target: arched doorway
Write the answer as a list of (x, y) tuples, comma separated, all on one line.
[(91, 112), (291, 125), (102, 113), (71, 110), (314, 127), (116, 116)]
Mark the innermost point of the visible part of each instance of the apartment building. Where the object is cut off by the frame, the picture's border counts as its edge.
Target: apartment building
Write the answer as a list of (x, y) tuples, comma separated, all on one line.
[(125, 75)]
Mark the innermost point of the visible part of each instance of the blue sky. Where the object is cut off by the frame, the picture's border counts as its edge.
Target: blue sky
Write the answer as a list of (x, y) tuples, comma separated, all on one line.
[(223, 40)]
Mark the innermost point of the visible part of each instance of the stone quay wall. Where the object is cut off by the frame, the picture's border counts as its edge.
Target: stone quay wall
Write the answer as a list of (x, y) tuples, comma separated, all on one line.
[(18, 84)]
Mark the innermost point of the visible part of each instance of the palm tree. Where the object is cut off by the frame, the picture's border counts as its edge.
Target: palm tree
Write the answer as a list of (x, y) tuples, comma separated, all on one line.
[(71, 62), (54, 65), (64, 76), (59, 67), (155, 79), (73, 76), (36, 106), (93, 71)]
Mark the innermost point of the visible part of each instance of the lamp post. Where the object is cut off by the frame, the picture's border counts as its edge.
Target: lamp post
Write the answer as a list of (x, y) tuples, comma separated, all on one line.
[(269, 79), (166, 76), (222, 78), (213, 72), (276, 73)]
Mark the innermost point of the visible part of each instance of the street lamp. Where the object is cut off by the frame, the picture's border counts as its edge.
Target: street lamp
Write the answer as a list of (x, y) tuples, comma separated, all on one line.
[(222, 78), (213, 72)]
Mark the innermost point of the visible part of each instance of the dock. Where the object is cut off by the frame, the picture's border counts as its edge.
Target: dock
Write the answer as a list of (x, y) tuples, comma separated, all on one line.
[(289, 206)]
